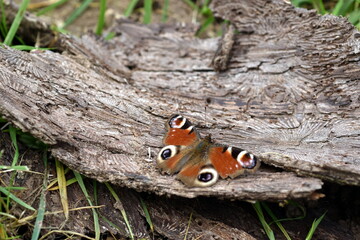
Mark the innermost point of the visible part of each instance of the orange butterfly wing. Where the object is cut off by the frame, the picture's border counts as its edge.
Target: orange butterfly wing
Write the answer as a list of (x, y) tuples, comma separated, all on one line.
[(180, 135), (232, 161)]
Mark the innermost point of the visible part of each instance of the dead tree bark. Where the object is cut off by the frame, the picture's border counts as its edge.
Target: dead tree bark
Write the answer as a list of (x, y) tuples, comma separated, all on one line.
[(290, 95)]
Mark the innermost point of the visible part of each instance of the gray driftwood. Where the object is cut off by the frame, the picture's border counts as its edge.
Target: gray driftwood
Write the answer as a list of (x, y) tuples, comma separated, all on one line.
[(290, 95), (209, 218)]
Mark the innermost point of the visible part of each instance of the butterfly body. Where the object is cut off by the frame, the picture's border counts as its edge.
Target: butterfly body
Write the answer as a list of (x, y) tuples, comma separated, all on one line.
[(200, 162)]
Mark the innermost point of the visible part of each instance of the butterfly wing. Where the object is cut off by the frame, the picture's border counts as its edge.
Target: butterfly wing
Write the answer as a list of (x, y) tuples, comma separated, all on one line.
[(232, 161), (209, 161), (200, 162), (201, 174), (180, 138), (180, 132)]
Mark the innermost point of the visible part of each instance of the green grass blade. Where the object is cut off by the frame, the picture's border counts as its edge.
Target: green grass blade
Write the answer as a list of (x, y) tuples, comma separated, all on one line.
[(16, 23), (12, 132), (259, 212), (205, 25), (274, 218), (42, 203), (191, 4), (206, 3), (342, 7), (16, 199), (14, 168), (95, 214), (303, 210), (110, 35), (59, 29), (129, 10), (164, 12), (31, 142), (8, 216), (51, 7), (15, 188), (75, 14), (3, 25), (319, 6), (122, 210), (27, 48), (298, 3), (314, 226), (147, 11), (101, 19), (147, 215), (354, 16), (95, 192), (112, 224)]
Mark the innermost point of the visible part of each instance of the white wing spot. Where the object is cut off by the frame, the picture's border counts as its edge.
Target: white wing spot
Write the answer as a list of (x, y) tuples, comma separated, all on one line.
[(229, 150)]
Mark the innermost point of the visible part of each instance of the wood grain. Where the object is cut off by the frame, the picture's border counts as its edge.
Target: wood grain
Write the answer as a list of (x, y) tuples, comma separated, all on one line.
[(290, 95)]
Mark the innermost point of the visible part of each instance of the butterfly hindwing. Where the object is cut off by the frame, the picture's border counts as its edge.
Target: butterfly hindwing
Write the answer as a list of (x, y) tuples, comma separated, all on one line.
[(232, 161), (198, 175)]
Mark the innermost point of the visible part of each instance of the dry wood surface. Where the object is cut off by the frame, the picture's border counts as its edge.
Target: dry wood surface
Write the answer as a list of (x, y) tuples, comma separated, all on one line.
[(290, 95)]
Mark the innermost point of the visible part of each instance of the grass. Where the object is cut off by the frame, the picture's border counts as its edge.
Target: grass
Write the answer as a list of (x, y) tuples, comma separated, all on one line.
[(51, 7), (62, 184), (42, 205), (314, 226), (259, 206), (101, 18), (346, 8), (8, 199), (16, 23), (188, 226), (76, 13), (130, 9), (147, 215), (121, 208), (147, 11), (80, 181)]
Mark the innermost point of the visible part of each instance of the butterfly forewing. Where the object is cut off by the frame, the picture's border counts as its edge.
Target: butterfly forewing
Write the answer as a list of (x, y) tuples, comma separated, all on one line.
[(180, 136)]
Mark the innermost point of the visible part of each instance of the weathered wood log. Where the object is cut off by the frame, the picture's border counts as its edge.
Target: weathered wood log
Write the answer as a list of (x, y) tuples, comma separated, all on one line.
[(301, 71), (174, 218), (290, 96)]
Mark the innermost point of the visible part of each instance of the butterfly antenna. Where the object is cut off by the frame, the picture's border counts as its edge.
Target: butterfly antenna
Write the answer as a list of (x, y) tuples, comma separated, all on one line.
[(208, 137), (205, 116)]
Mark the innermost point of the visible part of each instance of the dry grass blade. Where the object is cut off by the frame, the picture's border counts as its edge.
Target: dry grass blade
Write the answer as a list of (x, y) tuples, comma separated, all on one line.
[(68, 183), (62, 187), (67, 233), (188, 226)]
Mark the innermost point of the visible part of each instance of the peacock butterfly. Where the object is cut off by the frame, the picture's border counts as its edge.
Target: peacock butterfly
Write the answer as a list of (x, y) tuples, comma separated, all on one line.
[(200, 162)]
